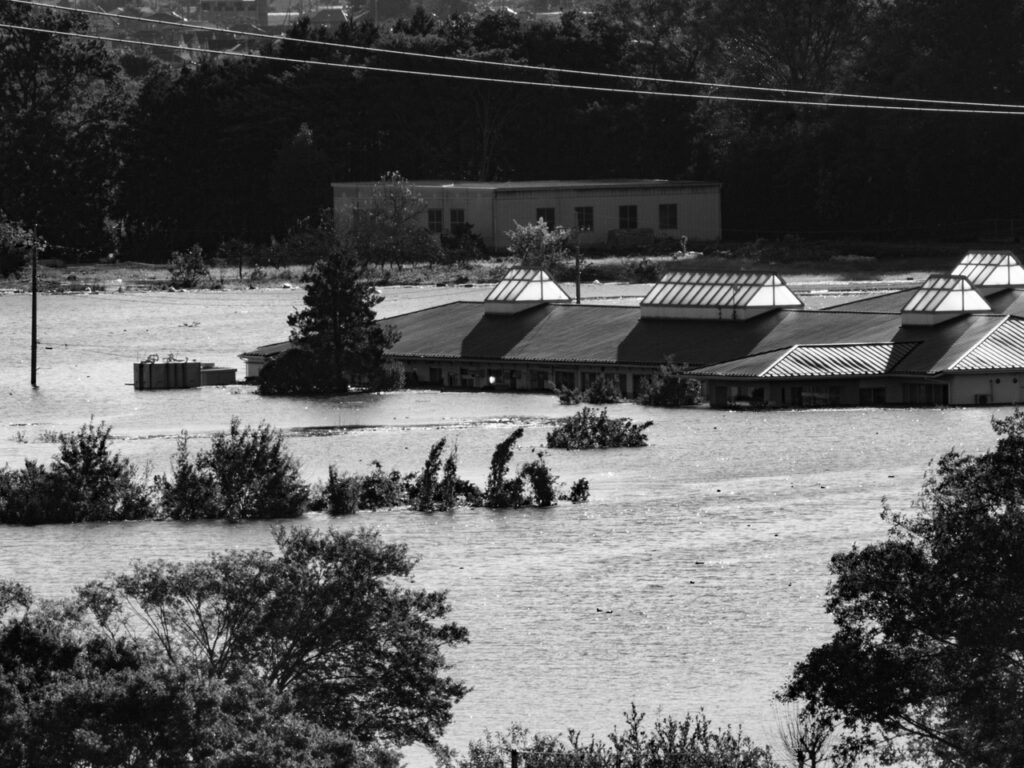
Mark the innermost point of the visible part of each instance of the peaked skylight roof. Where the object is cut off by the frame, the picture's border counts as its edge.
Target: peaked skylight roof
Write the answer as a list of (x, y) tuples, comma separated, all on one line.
[(946, 294), (721, 289), (816, 360), (527, 285), (990, 268)]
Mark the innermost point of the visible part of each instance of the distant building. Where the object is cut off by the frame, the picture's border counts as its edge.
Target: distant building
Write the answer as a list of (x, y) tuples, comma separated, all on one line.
[(616, 212), (227, 13)]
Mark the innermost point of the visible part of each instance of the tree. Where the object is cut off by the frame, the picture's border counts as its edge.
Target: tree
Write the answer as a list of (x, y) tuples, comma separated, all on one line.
[(331, 622), (63, 103), (538, 246), (16, 243), (321, 657), (388, 228), (928, 645), (338, 339)]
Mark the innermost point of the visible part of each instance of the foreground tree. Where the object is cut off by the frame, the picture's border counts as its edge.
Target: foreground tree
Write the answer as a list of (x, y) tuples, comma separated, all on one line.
[(930, 637), (321, 655)]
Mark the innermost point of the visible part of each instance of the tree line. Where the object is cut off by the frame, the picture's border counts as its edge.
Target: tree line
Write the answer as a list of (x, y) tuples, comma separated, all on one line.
[(117, 152)]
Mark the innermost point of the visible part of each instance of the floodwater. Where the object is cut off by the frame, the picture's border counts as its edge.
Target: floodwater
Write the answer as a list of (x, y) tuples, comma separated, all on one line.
[(694, 578)]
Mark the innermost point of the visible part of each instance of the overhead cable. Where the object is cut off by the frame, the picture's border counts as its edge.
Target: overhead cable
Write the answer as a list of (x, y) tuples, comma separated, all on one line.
[(1003, 110)]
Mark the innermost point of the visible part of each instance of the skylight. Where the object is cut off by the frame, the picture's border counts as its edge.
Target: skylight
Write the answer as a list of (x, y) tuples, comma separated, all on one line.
[(721, 289), (527, 285), (941, 294), (990, 268)]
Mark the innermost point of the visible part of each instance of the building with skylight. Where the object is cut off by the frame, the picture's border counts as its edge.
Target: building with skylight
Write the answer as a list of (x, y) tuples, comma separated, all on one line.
[(745, 335)]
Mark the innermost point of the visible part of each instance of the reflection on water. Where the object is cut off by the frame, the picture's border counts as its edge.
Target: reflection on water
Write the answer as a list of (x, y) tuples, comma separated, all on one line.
[(694, 578)]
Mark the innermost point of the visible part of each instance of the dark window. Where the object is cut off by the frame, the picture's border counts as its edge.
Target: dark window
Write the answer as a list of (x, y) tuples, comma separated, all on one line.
[(627, 217), (456, 217), (668, 216), (585, 219), (872, 396), (435, 376), (435, 219), (548, 214)]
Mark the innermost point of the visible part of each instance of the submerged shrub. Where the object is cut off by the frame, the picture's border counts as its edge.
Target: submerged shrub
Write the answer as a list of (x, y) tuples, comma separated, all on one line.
[(501, 491), (543, 484), (381, 489), (245, 474), (579, 493), (670, 387), (86, 481), (600, 392), (589, 429), (340, 495)]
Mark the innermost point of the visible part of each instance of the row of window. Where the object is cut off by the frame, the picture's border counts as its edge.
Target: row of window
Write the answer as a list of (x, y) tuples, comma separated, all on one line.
[(668, 217)]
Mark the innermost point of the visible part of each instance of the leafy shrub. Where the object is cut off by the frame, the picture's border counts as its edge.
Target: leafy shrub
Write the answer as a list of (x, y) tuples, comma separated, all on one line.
[(579, 492), (670, 387), (86, 481), (341, 493), (188, 268), (461, 245), (245, 474), (589, 429), (381, 489), (601, 391), (543, 484), (501, 491)]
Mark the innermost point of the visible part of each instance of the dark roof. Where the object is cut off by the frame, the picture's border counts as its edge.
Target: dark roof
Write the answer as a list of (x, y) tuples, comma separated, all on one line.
[(603, 335), (560, 184)]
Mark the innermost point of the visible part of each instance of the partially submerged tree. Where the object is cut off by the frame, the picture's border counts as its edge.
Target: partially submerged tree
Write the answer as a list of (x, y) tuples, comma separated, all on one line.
[(337, 336), (930, 622)]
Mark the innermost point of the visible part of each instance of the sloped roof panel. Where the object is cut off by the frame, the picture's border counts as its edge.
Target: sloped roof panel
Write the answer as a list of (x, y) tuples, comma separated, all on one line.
[(990, 268), (817, 360), (1000, 350), (527, 285), (840, 360), (946, 294)]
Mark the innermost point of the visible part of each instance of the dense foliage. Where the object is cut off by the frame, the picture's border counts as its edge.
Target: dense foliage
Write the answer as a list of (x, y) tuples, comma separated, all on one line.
[(930, 622), (152, 158), (588, 428), (86, 481), (670, 387), (667, 741), (321, 655), (246, 473)]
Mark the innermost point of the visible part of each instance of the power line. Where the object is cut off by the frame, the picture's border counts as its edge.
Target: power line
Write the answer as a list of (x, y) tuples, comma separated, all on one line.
[(1000, 109), (533, 67)]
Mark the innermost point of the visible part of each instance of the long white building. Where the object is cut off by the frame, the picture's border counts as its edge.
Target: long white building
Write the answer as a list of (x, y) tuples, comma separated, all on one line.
[(626, 211)]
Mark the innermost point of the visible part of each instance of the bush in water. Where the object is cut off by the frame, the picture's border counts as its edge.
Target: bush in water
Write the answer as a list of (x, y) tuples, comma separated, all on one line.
[(245, 474), (86, 481), (589, 429)]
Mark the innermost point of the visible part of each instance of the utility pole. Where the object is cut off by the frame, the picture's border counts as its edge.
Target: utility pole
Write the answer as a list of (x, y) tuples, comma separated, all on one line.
[(577, 243), (35, 262)]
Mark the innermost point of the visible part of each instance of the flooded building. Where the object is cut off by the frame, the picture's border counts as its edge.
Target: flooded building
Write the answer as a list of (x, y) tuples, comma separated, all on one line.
[(957, 339)]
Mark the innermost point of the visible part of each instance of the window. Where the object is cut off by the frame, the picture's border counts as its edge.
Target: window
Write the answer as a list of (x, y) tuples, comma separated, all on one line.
[(435, 376), (456, 217), (872, 396), (585, 219), (435, 219), (668, 216), (548, 214), (627, 217), (565, 379)]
